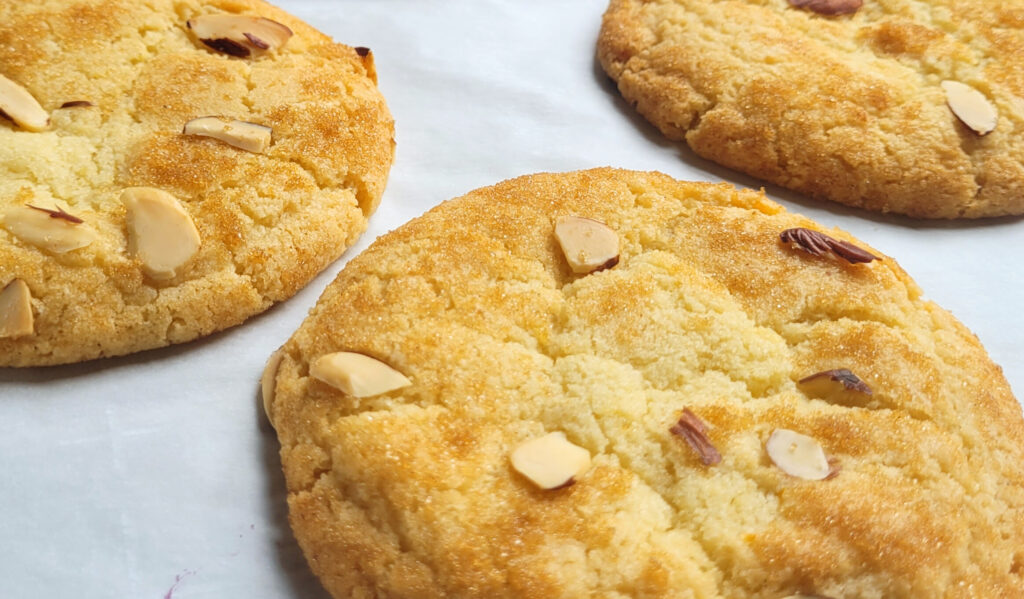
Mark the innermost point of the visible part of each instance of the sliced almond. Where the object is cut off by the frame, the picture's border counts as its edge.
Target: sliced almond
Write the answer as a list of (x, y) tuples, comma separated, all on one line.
[(52, 230), (239, 35), (817, 243), (837, 386), (368, 62), (588, 245), (970, 106), (161, 233), (240, 134), (268, 382), (15, 310), (357, 375), (798, 455), (551, 461), (21, 107), (829, 7)]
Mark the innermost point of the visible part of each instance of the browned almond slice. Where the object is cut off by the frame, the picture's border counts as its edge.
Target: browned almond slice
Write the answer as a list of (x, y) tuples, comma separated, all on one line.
[(239, 35), (240, 134), (368, 62), (839, 385), (693, 430), (588, 245), (798, 455), (357, 375), (820, 244), (21, 107), (161, 233), (970, 106), (268, 382), (15, 310), (52, 230), (829, 7), (551, 461)]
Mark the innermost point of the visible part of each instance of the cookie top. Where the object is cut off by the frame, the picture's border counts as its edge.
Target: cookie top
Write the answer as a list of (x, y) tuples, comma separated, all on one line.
[(223, 228), (641, 429), (846, 107)]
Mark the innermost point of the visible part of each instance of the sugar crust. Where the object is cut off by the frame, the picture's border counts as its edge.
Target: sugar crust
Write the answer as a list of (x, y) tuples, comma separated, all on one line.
[(845, 108), (269, 222), (411, 493)]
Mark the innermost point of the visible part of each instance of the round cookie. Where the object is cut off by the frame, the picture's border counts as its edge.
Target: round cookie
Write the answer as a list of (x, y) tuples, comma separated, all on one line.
[(848, 107), (701, 455), (120, 228)]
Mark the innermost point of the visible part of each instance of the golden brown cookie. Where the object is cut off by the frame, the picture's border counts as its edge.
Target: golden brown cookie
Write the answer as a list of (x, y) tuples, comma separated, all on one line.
[(885, 107), (129, 224), (739, 405)]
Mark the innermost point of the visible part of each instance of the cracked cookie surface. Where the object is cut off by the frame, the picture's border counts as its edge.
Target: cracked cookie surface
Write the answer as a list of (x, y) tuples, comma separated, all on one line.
[(707, 325), (119, 80), (849, 108)]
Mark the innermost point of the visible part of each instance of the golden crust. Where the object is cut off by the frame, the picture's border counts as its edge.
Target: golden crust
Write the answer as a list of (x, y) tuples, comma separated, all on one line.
[(268, 222), (411, 493), (843, 108)]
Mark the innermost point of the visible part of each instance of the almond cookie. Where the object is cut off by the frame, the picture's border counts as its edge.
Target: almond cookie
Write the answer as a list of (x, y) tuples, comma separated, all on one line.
[(169, 169), (903, 106), (615, 384)]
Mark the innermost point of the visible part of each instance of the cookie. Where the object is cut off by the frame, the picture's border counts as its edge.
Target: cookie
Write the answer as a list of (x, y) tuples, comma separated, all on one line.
[(905, 107), (129, 220), (610, 384)]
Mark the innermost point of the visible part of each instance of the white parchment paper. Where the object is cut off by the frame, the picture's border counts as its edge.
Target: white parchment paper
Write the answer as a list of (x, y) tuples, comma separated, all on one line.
[(154, 476)]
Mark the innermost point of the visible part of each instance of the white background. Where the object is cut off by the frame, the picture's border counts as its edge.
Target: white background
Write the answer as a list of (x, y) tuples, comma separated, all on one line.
[(155, 475)]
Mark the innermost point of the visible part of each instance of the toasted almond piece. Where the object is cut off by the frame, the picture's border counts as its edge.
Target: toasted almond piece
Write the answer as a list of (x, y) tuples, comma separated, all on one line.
[(970, 106), (357, 375), (817, 243), (551, 461), (15, 310), (43, 228), (240, 134), (368, 62), (21, 107), (838, 386), (239, 35), (693, 430), (798, 455), (829, 7), (268, 382), (588, 245), (161, 233)]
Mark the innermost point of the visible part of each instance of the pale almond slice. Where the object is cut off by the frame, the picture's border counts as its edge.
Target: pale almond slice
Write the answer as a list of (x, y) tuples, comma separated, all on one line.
[(798, 455), (357, 375), (240, 134), (551, 461), (21, 107), (268, 382), (970, 106), (588, 245), (52, 230), (16, 310), (161, 233), (239, 35)]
